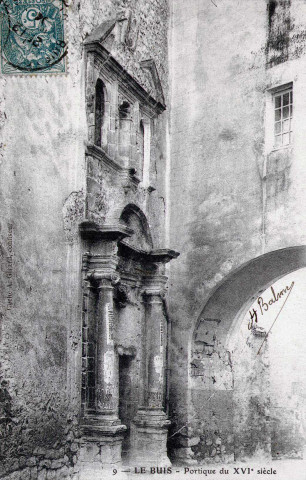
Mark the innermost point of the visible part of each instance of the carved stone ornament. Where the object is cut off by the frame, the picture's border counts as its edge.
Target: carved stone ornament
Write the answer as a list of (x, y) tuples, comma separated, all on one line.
[(103, 277), (122, 296), (129, 28), (115, 278)]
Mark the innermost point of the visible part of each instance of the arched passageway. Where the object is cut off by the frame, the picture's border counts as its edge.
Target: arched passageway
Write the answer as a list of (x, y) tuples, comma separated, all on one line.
[(247, 394), (266, 345)]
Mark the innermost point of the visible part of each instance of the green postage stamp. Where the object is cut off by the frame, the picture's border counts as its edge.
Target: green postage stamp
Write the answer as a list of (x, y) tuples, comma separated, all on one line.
[(33, 37)]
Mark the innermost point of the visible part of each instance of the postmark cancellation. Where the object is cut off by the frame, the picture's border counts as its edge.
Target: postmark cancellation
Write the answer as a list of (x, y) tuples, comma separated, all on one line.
[(33, 37)]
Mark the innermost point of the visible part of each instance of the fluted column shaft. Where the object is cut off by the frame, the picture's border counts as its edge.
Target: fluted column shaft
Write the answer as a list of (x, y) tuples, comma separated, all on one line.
[(150, 426), (155, 346), (107, 397), (102, 431)]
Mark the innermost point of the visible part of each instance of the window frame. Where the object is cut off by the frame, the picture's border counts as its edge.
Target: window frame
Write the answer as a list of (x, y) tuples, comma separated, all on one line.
[(281, 121), (270, 118)]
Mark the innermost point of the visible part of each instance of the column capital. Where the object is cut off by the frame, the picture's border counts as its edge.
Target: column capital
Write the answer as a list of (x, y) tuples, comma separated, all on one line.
[(101, 269), (154, 295), (104, 277), (154, 286)]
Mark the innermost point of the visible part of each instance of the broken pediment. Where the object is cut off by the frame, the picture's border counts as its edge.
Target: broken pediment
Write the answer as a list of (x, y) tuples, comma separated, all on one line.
[(150, 68), (102, 32), (122, 32), (122, 29), (133, 218)]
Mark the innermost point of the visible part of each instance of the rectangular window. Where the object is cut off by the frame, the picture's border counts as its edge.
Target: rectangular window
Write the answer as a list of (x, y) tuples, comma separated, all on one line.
[(283, 109)]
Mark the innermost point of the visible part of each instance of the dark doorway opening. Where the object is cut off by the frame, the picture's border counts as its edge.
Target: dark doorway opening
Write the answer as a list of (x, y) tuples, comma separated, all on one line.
[(126, 399)]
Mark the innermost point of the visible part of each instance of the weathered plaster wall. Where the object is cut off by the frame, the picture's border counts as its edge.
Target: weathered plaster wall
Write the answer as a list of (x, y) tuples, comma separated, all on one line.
[(42, 165), (232, 199), (43, 136)]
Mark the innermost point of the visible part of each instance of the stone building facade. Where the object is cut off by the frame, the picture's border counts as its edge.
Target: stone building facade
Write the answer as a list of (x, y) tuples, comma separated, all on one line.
[(176, 129), (84, 322), (237, 198)]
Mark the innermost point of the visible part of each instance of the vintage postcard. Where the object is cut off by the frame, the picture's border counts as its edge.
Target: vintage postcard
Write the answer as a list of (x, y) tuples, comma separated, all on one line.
[(153, 239)]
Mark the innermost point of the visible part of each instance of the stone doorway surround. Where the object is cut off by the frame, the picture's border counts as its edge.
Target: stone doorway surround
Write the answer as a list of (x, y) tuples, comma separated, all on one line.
[(112, 271)]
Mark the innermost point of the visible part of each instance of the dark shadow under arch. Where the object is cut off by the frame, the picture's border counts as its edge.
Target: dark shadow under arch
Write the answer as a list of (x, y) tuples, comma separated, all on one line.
[(133, 217)]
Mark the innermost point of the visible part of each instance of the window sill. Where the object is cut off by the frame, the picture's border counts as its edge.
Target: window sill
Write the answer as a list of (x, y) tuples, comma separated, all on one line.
[(284, 147)]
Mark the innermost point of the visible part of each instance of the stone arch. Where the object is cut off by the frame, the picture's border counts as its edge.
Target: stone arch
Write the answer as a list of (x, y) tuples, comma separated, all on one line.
[(238, 289), (98, 89), (230, 406), (133, 217)]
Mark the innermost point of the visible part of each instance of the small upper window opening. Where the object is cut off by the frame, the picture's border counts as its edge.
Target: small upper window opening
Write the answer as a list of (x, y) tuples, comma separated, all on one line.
[(124, 110), (99, 112), (141, 138), (141, 145), (283, 111)]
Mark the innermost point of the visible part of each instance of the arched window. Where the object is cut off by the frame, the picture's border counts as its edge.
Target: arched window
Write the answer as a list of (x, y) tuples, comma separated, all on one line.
[(140, 142), (125, 133), (99, 112)]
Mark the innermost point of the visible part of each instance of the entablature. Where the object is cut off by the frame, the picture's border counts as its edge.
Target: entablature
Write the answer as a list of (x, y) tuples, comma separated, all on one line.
[(114, 71)]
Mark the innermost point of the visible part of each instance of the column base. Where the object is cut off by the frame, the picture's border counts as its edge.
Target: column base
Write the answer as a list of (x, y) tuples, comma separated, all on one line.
[(149, 432), (100, 446)]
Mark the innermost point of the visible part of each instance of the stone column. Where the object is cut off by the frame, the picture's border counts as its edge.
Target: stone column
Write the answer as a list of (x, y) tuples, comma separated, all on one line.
[(150, 426), (102, 429), (107, 396)]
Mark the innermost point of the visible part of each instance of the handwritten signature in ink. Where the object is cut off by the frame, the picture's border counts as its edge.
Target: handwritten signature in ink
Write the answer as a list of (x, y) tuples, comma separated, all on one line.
[(265, 305)]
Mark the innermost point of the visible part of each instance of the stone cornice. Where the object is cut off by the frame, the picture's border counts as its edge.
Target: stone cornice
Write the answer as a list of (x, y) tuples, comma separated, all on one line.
[(117, 232), (126, 174), (99, 153), (89, 229), (125, 79), (101, 270), (163, 255), (129, 278)]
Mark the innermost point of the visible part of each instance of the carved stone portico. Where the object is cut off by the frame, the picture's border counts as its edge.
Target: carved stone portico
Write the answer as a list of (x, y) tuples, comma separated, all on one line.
[(124, 324), (113, 271)]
